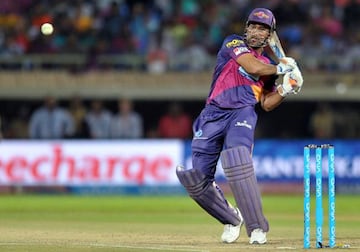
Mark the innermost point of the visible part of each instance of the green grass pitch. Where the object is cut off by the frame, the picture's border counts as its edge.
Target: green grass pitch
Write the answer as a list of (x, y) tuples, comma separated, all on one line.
[(154, 223)]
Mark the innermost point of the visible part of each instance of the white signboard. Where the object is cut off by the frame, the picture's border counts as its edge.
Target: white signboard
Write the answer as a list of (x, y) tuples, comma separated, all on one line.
[(142, 162)]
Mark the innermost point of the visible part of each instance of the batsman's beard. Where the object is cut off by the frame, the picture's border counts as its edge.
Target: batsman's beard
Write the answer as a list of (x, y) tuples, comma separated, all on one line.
[(254, 41)]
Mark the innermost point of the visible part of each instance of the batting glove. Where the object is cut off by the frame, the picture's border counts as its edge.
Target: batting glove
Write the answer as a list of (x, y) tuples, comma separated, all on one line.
[(286, 65), (292, 83)]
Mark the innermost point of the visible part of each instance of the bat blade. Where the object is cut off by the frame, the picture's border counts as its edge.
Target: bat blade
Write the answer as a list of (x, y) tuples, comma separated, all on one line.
[(274, 49)]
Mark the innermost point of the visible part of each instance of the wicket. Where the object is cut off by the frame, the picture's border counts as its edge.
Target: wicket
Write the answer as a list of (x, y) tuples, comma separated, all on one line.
[(318, 194)]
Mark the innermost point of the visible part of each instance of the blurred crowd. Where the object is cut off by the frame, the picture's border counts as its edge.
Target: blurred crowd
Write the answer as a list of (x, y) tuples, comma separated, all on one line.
[(179, 35), (124, 118), (93, 119)]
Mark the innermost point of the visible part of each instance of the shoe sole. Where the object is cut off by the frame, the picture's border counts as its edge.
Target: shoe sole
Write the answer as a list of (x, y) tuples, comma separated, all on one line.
[(258, 243)]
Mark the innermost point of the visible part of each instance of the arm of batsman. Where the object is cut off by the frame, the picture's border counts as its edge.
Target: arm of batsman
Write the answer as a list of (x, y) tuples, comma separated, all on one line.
[(292, 83), (286, 65)]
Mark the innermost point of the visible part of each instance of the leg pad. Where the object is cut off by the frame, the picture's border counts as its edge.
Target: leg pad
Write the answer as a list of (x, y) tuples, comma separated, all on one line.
[(207, 195), (239, 170)]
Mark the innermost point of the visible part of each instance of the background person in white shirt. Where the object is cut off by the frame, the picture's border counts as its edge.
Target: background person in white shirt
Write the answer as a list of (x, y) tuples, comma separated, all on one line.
[(51, 121), (98, 120), (126, 123)]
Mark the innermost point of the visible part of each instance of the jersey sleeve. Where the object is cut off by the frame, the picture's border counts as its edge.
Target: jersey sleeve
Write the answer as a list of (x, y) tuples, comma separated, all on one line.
[(235, 47)]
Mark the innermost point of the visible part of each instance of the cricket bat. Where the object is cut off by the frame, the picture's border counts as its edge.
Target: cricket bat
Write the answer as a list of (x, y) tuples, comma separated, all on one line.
[(276, 52), (274, 49)]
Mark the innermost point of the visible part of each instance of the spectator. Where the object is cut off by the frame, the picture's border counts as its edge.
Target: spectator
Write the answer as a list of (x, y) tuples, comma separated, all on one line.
[(347, 122), (175, 123), (78, 112), (322, 122), (51, 121), (126, 123), (18, 127), (157, 59), (194, 57), (98, 120)]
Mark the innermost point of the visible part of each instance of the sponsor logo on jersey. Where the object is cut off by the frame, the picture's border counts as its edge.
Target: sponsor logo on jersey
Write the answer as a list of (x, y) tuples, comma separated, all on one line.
[(243, 124), (198, 135), (239, 50), (234, 43)]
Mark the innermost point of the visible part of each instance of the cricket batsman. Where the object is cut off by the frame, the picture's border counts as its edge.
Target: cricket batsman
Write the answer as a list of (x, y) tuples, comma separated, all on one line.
[(243, 76)]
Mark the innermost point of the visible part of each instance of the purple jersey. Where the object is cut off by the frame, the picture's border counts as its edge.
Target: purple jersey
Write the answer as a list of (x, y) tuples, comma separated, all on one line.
[(232, 86)]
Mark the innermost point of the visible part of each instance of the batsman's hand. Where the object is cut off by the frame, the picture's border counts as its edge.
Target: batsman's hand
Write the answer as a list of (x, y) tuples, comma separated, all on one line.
[(286, 65), (292, 83)]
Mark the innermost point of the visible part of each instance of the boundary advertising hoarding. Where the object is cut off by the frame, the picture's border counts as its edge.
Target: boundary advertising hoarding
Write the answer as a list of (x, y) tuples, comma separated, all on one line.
[(280, 160), (148, 166), (78, 163)]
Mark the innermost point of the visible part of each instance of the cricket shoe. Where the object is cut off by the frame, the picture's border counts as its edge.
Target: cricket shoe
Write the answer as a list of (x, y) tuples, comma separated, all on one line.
[(231, 233), (258, 236)]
